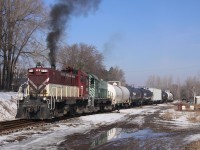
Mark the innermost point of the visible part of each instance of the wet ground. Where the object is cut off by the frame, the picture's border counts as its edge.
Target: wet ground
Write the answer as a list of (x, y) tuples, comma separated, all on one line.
[(126, 135)]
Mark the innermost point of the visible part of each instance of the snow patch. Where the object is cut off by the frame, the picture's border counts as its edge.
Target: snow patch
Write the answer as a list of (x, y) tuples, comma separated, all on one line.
[(8, 105), (192, 138), (103, 118), (138, 120)]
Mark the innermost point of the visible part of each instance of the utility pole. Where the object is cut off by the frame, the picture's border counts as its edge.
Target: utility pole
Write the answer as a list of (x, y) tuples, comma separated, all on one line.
[(194, 94)]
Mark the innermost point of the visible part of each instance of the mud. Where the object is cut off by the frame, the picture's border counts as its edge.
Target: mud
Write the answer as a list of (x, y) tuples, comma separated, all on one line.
[(127, 135)]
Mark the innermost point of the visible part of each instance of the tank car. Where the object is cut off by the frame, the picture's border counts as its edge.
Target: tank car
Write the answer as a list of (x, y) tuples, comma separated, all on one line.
[(135, 96), (167, 96), (115, 93), (146, 96), (125, 96), (164, 96), (170, 96), (120, 96)]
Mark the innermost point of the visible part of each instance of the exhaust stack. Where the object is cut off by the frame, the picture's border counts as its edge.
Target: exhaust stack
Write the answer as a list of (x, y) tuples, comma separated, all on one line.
[(53, 66)]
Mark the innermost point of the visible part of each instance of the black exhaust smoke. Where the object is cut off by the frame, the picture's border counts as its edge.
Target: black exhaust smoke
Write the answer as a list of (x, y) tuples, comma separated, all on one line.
[(60, 15)]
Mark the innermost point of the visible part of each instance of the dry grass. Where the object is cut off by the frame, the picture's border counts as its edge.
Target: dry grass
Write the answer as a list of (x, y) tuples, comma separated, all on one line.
[(56, 125), (168, 116), (197, 107), (20, 138), (193, 146), (43, 129), (194, 117)]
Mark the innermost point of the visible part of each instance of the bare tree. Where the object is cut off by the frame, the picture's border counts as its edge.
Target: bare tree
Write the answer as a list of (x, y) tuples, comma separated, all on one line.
[(192, 84), (83, 57), (116, 74), (159, 82), (20, 75), (19, 22)]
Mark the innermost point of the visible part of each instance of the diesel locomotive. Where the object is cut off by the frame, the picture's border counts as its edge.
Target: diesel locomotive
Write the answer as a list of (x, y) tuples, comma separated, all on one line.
[(50, 93)]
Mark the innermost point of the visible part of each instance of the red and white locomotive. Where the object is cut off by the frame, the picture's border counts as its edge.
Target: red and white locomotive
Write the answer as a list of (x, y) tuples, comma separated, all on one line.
[(50, 93)]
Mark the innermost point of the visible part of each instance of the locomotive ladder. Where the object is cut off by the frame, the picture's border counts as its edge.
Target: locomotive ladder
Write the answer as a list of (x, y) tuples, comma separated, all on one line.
[(52, 100), (91, 101)]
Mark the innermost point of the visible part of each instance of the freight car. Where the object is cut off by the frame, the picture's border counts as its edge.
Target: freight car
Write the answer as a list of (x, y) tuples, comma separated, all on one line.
[(167, 96), (156, 95)]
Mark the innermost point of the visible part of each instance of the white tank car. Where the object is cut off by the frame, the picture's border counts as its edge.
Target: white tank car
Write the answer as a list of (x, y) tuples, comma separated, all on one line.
[(125, 94), (115, 93), (169, 96)]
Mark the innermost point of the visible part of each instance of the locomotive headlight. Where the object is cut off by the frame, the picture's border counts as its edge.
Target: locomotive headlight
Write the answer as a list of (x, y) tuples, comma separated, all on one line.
[(30, 70), (44, 70), (21, 98), (44, 98)]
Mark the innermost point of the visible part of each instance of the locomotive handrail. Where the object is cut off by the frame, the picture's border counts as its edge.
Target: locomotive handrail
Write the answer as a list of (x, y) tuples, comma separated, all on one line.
[(22, 92), (18, 103)]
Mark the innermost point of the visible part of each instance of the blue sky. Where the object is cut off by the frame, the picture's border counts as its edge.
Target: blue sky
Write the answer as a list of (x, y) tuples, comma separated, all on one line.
[(143, 37)]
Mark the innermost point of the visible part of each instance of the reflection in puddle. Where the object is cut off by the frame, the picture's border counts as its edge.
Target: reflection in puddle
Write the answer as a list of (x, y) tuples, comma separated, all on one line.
[(105, 137), (118, 133)]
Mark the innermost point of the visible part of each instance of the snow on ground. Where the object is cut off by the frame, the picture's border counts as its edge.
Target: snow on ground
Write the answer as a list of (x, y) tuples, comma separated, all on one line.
[(8, 105), (52, 135), (57, 133), (101, 119), (140, 110)]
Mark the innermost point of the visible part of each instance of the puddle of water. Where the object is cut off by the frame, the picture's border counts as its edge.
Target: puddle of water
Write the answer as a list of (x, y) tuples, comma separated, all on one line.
[(142, 134), (119, 133), (105, 137)]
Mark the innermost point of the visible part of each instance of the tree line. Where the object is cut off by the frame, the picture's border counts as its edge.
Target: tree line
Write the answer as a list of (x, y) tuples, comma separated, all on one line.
[(181, 90)]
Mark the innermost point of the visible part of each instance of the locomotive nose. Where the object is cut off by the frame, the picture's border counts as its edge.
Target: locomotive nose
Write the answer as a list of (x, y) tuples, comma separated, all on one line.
[(30, 109)]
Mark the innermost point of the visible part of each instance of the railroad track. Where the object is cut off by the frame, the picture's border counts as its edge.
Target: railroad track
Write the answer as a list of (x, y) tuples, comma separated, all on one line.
[(7, 127), (11, 126)]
